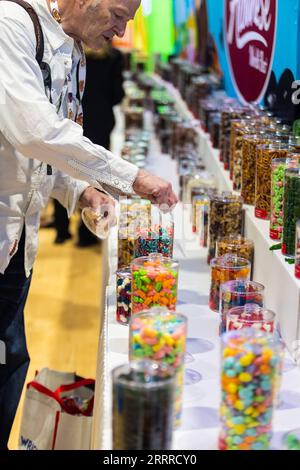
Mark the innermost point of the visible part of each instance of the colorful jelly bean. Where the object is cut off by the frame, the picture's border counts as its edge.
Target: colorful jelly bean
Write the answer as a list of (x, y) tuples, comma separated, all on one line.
[(160, 335), (251, 363), (157, 240), (154, 283)]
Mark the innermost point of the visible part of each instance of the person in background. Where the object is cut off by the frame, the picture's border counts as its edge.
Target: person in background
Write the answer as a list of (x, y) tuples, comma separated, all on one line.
[(104, 90)]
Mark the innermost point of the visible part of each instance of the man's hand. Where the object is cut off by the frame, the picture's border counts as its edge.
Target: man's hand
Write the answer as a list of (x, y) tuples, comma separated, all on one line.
[(99, 202), (157, 190)]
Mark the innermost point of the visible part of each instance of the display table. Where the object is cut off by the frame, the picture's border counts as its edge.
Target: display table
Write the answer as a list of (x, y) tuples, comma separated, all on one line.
[(200, 423)]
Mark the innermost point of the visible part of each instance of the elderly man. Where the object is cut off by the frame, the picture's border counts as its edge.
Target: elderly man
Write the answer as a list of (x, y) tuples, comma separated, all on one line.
[(43, 152)]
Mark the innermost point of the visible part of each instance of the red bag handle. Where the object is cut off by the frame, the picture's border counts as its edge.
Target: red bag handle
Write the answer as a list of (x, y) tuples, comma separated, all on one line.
[(65, 388)]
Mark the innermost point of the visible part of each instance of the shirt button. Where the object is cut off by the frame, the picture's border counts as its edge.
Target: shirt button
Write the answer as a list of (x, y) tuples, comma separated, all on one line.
[(117, 182)]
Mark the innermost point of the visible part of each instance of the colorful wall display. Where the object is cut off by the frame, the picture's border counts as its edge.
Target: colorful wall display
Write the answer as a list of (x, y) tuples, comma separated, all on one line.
[(261, 60), (186, 34), (253, 43), (250, 36)]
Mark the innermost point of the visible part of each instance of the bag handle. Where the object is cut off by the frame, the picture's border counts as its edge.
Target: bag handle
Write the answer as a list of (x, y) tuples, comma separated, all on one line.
[(64, 388)]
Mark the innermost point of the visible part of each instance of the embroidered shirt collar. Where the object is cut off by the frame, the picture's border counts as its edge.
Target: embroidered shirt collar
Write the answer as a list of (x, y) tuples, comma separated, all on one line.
[(54, 32)]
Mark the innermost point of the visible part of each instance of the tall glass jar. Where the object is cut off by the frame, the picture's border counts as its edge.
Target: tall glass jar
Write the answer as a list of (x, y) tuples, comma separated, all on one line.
[(279, 165), (161, 335), (297, 251), (123, 281), (187, 169), (225, 219), (201, 180), (228, 113), (200, 216), (143, 406), (263, 177), (239, 128), (134, 118), (250, 144), (208, 107), (214, 129), (250, 367), (154, 283), (291, 210), (185, 137), (224, 269), (135, 213), (238, 294)]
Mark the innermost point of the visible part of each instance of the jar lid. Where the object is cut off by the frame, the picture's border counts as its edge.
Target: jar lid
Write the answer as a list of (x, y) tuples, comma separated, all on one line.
[(242, 287), (124, 272), (275, 145), (293, 172), (236, 240), (231, 262), (156, 258), (227, 198)]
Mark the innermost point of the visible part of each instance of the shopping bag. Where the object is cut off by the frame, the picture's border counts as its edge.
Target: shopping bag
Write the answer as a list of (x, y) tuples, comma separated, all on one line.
[(53, 415)]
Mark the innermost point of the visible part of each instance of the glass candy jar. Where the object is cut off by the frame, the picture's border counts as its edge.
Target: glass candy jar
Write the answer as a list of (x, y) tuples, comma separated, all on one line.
[(154, 283), (225, 219), (224, 269)]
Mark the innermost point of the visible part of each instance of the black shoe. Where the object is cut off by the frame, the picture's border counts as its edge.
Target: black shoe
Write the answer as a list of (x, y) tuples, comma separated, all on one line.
[(87, 243), (60, 239)]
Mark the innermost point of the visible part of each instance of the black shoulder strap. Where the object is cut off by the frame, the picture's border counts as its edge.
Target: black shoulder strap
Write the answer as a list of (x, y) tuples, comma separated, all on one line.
[(45, 68), (37, 28), (39, 43)]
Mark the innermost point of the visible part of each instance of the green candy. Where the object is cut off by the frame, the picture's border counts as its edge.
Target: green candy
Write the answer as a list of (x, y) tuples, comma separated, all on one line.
[(158, 286)]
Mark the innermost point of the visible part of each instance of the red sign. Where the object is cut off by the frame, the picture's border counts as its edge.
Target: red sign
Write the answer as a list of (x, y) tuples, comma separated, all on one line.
[(250, 37)]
